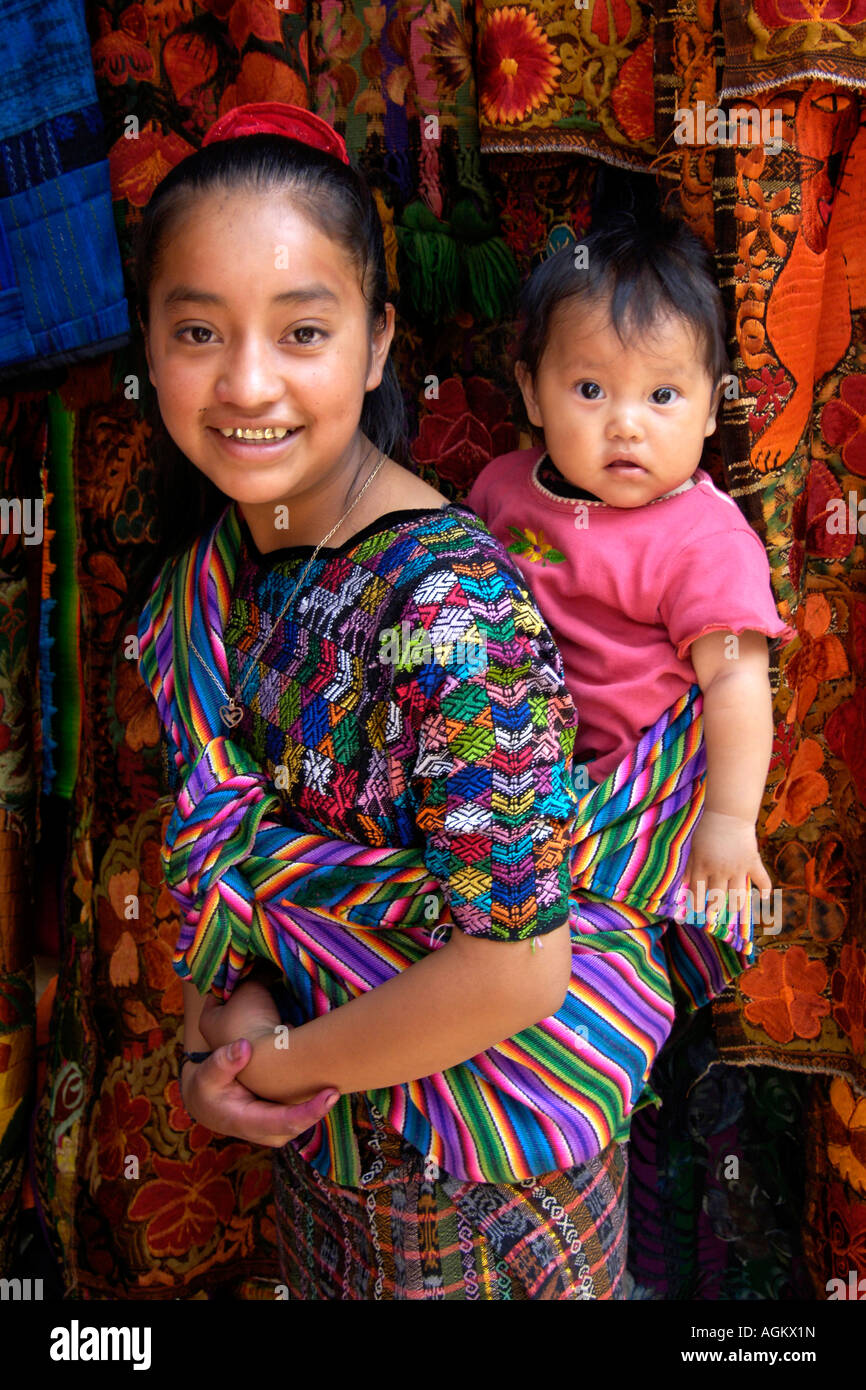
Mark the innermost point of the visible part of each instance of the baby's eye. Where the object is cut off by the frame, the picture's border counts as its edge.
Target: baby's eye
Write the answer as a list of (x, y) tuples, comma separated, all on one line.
[(664, 395), (590, 390), (195, 329)]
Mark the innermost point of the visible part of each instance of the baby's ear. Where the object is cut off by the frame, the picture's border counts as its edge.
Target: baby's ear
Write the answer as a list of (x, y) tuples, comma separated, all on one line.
[(715, 403), (523, 377)]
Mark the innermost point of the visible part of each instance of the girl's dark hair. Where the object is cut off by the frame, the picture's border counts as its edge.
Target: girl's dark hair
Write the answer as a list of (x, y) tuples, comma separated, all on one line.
[(338, 201), (643, 267)]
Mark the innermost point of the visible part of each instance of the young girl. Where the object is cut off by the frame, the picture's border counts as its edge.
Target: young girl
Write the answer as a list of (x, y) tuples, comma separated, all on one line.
[(648, 577), (394, 836)]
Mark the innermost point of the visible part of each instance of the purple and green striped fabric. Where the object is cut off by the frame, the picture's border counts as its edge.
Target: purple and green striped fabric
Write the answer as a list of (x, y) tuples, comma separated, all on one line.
[(340, 917)]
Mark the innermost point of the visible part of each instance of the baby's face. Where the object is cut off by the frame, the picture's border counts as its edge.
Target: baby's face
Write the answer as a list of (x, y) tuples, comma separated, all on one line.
[(625, 423)]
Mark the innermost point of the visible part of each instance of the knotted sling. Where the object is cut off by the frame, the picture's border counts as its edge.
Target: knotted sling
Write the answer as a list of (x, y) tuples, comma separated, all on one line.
[(341, 918)]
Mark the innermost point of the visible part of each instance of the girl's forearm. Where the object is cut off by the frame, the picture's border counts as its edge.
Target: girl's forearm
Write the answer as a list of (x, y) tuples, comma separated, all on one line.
[(460, 1000), (738, 732)]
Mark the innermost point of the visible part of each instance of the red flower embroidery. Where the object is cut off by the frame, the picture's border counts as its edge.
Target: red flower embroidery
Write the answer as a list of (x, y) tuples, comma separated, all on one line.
[(254, 1186), (846, 1225), (517, 66), (118, 1129), (467, 426), (846, 1133), (844, 423), (121, 55), (189, 60), (784, 746), (771, 388), (785, 987), (815, 883), (821, 656), (809, 518), (259, 17), (632, 96), (611, 21), (186, 1202), (845, 732), (848, 988), (180, 1119), (778, 14), (264, 78), (857, 628), (803, 789), (137, 166)]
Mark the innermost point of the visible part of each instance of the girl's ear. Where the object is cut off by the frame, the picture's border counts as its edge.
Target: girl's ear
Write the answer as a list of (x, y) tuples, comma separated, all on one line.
[(383, 334), (147, 355), (524, 380)]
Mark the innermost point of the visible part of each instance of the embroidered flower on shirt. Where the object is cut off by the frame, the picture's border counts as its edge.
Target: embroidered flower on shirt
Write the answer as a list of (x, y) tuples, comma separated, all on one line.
[(534, 547)]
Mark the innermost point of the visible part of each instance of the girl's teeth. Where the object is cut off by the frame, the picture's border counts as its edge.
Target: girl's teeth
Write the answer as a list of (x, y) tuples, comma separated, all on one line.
[(267, 433)]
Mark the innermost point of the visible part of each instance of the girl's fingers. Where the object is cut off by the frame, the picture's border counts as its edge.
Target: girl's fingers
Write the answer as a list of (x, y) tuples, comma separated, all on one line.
[(313, 1109), (226, 1106), (265, 1122)]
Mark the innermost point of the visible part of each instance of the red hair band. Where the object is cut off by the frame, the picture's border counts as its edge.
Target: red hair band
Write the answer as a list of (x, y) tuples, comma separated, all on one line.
[(278, 118)]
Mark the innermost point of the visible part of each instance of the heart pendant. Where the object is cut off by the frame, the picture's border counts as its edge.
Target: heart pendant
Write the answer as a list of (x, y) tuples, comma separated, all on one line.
[(231, 715)]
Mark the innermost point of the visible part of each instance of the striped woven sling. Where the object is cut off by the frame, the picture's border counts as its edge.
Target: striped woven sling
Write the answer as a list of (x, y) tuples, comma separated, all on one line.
[(340, 918)]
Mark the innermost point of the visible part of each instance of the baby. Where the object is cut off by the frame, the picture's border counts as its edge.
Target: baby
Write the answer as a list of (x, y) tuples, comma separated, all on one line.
[(648, 577)]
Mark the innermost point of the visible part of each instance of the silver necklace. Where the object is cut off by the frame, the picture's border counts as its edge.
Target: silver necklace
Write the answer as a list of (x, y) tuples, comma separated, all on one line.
[(232, 713)]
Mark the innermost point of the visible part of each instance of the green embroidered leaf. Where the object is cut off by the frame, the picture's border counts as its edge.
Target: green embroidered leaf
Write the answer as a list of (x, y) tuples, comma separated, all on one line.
[(521, 545)]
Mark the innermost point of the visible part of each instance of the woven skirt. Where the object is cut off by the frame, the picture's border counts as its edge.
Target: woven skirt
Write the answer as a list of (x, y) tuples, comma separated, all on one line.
[(410, 1234)]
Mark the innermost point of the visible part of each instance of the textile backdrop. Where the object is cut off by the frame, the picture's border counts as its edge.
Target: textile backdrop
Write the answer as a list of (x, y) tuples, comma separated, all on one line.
[(475, 124)]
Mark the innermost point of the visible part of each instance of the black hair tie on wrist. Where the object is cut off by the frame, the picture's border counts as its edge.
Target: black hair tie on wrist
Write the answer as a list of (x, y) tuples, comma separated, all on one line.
[(194, 1057)]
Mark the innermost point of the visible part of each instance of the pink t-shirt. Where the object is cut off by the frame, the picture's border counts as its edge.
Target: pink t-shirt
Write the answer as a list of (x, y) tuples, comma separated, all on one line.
[(626, 591)]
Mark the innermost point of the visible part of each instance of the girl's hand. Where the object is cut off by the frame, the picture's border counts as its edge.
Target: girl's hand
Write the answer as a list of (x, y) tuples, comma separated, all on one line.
[(723, 856), (213, 1095), (250, 1013)]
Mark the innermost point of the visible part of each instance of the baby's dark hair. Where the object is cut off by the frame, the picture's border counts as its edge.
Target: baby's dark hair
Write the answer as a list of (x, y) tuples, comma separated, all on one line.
[(643, 268), (339, 202)]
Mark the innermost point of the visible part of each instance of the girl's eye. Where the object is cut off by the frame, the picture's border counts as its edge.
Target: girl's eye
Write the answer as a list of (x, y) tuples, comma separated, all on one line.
[(664, 395), (590, 390), (306, 328), (199, 334)]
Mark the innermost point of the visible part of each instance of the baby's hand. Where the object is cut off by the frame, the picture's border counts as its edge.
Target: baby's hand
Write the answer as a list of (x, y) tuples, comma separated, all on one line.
[(723, 856), (250, 1013)]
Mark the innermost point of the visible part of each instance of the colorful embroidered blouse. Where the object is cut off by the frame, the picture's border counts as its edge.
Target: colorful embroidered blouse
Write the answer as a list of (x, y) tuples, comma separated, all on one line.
[(412, 695)]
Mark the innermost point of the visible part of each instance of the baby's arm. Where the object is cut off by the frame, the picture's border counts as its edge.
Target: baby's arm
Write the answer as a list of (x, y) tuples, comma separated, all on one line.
[(249, 1012), (211, 1090), (457, 1001), (738, 732)]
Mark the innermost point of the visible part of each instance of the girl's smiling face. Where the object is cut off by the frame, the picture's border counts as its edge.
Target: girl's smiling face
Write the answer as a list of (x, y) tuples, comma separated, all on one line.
[(260, 351)]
